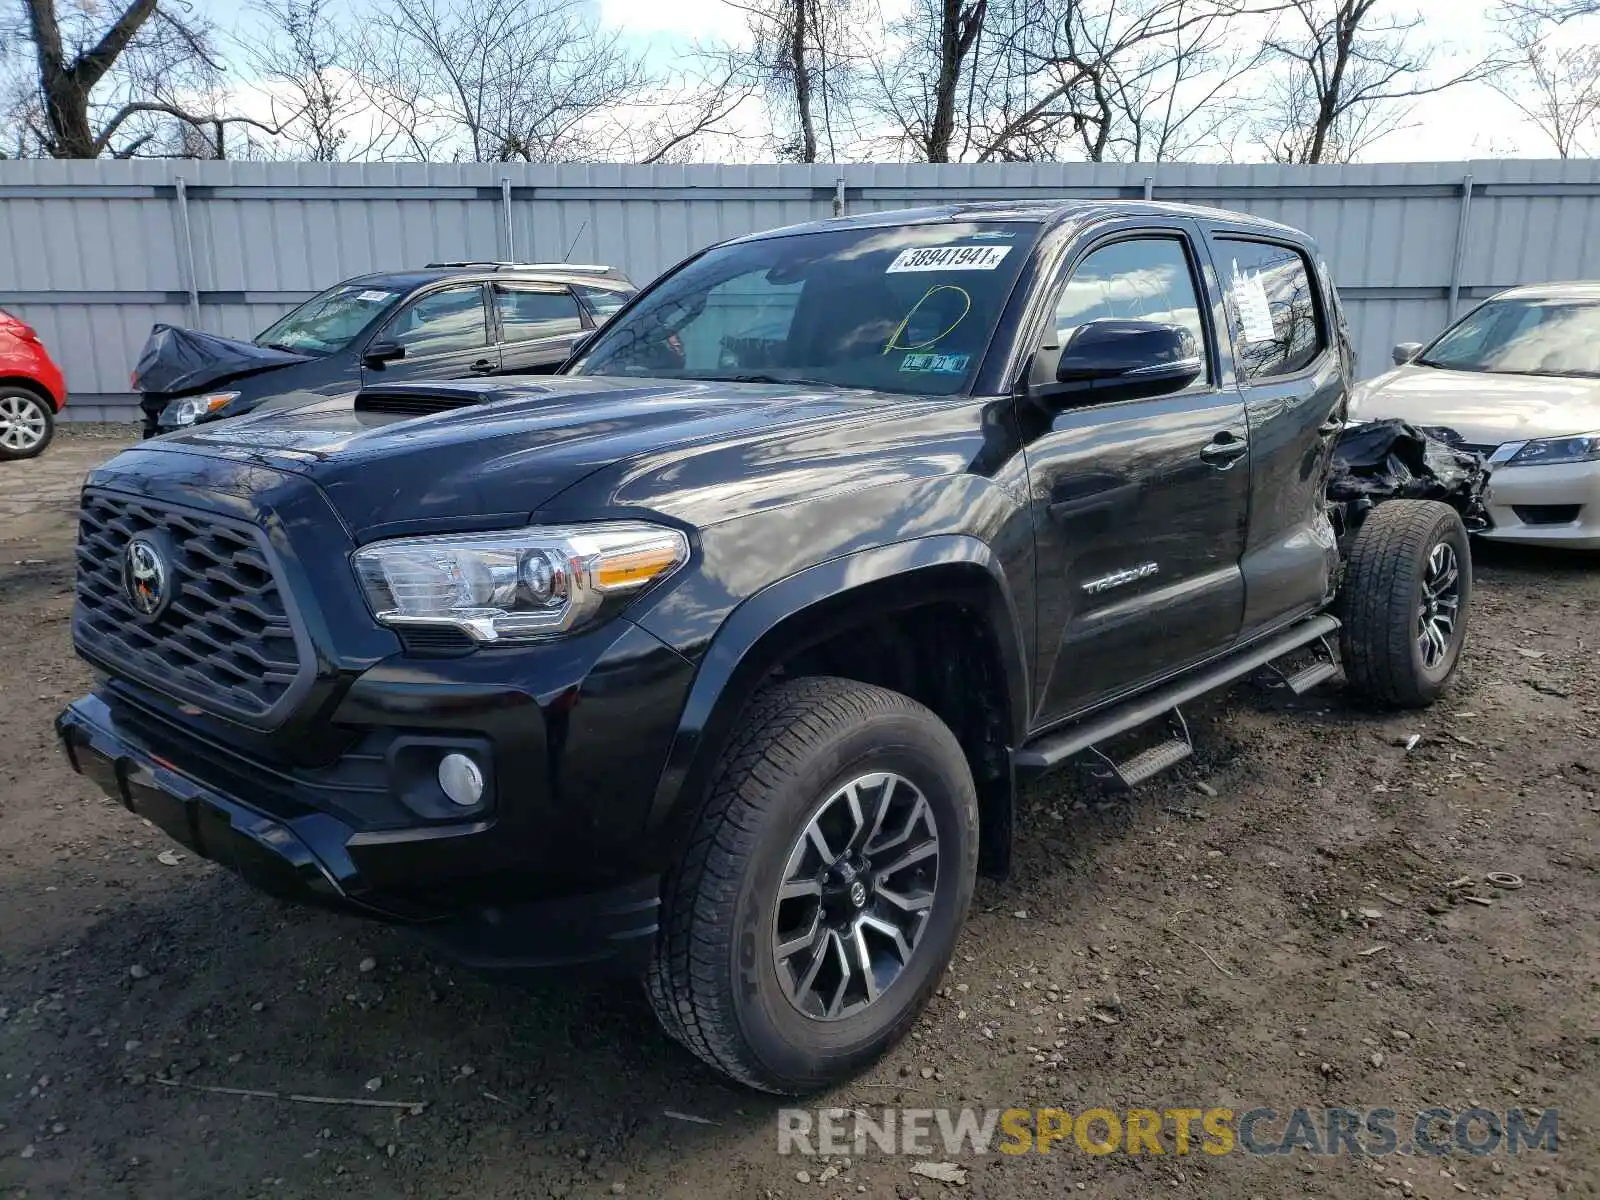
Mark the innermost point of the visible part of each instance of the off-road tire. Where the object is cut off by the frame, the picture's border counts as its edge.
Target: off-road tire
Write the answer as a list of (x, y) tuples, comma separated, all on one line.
[(1381, 599), (45, 412), (711, 980)]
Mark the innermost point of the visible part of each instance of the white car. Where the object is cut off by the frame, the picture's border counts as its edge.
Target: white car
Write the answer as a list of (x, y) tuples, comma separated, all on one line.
[(1518, 378)]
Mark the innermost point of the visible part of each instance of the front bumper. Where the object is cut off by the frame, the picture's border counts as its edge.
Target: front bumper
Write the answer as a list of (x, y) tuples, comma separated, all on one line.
[(1556, 505), (312, 857)]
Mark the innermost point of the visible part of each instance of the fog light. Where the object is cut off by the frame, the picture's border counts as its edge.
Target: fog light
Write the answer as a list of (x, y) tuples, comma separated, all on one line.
[(461, 779)]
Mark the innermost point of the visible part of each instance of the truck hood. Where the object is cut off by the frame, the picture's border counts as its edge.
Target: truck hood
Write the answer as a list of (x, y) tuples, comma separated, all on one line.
[(508, 449), (1486, 409)]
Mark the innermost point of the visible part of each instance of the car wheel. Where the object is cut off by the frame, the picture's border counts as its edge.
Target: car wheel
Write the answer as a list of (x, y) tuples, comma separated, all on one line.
[(1403, 602), (825, 880), (27, 423)]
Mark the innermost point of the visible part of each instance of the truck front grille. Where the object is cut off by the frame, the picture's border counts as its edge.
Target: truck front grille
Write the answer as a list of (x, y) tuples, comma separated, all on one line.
[(225, 642)]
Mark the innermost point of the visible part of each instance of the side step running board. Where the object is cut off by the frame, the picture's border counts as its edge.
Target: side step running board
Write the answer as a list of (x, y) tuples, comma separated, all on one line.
[(1056, 748), (1133, 771), (1302, 682)]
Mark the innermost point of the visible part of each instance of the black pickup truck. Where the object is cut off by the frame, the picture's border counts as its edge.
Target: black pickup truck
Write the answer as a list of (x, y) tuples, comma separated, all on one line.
[(721, 655)]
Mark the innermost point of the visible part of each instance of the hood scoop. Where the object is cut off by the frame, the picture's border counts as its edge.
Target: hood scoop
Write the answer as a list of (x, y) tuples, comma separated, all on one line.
[(421, 399)]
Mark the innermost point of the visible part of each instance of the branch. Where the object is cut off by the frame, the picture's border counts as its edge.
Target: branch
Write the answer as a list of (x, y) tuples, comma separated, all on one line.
[(90, 67), (705, 121), (171, 110), (46, 33)]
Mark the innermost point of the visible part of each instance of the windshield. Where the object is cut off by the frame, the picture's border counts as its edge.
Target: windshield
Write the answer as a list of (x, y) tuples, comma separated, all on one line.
[(902, 309), (329, 322), (1522, 337)]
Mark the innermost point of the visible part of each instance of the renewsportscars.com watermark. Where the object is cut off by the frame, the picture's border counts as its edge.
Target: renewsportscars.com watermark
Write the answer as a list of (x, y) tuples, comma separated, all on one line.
[(1371, 1132)]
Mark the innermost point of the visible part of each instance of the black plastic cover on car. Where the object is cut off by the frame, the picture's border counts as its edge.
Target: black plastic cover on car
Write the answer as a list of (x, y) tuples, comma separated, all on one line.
[(178, 360), (1391, 459)]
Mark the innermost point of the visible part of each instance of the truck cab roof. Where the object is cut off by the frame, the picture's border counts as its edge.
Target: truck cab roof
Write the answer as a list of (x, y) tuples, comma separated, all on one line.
[(1050, 213)]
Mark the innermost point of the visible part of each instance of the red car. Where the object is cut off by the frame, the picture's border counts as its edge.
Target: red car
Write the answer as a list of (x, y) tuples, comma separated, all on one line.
[(32, 391)]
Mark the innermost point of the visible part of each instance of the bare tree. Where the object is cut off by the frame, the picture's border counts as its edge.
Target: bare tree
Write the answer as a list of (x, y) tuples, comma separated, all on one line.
[(497, 80), (1106, 79), (1346, 69), (804, 51), (1555, 86), (681, 115), (918, 88), (116, 87), (1180, 91), (305, 66), (1554, 10)]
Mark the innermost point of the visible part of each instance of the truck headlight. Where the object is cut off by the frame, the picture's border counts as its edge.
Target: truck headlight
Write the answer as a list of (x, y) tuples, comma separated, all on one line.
[(516, 585), (1544, 452), (189, 409)]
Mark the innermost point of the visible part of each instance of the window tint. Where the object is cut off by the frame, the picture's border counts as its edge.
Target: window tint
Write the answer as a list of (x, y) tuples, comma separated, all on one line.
[(449, 319), (525, 314), (604, 301), (1273, 304), (1146, 279)]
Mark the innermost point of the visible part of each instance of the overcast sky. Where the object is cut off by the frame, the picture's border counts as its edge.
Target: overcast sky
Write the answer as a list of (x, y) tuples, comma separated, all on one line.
[(1468, 121)]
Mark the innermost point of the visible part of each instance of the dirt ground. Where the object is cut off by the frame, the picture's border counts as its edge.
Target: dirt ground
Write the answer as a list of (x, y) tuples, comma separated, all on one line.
[(1210, 943)]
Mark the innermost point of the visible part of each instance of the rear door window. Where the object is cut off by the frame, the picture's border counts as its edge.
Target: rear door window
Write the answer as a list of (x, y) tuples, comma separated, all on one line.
[(1279, 327), (527, 314)]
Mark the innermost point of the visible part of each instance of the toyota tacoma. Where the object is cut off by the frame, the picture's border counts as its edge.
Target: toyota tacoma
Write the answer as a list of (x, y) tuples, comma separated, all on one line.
[(721, 655)]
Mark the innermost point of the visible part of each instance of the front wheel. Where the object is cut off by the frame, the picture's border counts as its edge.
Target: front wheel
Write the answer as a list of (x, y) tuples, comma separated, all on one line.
[(1404, 602), (818, 901), (27, 422)]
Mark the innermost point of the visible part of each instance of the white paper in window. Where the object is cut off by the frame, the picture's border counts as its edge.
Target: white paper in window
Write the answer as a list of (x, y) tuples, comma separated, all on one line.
[(1250, 298)]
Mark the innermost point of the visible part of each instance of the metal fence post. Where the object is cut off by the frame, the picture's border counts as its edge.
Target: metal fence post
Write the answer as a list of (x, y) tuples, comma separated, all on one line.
[(838, 196), (1149, 187), (1458, 262), (187, 250), (505, 205)]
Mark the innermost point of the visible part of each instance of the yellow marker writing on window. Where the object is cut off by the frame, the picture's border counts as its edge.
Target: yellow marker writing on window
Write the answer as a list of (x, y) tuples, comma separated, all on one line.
[(894, 338)]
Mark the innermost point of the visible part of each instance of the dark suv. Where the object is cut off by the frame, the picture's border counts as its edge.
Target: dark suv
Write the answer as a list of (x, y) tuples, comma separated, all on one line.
[(449, 320), (721, 654)]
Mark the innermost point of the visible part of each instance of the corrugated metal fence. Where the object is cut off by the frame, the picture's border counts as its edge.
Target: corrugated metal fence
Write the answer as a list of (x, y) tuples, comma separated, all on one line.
[(94, 252)]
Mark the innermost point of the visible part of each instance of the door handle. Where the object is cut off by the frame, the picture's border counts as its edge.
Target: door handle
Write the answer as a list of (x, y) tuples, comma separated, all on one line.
[(1223, 451), (483, 366)]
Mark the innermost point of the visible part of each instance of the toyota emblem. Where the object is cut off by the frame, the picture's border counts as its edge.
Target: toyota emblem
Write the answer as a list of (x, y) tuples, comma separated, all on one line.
[(145, 577)]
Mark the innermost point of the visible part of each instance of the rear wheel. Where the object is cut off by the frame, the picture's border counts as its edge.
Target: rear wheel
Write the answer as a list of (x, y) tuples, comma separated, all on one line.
[(1404, 602), (27, 423), (820, 897)]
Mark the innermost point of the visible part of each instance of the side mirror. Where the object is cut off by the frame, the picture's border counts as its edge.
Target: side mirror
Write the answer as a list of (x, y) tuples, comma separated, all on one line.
[(382, 352), (1124, 360), (1405, 352)]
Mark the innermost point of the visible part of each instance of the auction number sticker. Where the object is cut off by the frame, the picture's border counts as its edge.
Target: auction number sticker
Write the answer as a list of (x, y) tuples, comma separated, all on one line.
[(374, 297), (948, 258)]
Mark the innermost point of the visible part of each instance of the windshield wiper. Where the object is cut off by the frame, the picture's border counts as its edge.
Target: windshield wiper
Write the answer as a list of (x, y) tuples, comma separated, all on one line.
[(284, 348), (763, 378)]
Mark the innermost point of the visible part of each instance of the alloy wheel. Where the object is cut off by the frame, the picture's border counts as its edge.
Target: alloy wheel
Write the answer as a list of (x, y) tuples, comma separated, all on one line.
[(22, 423), (1440, 608), (858, 887)]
